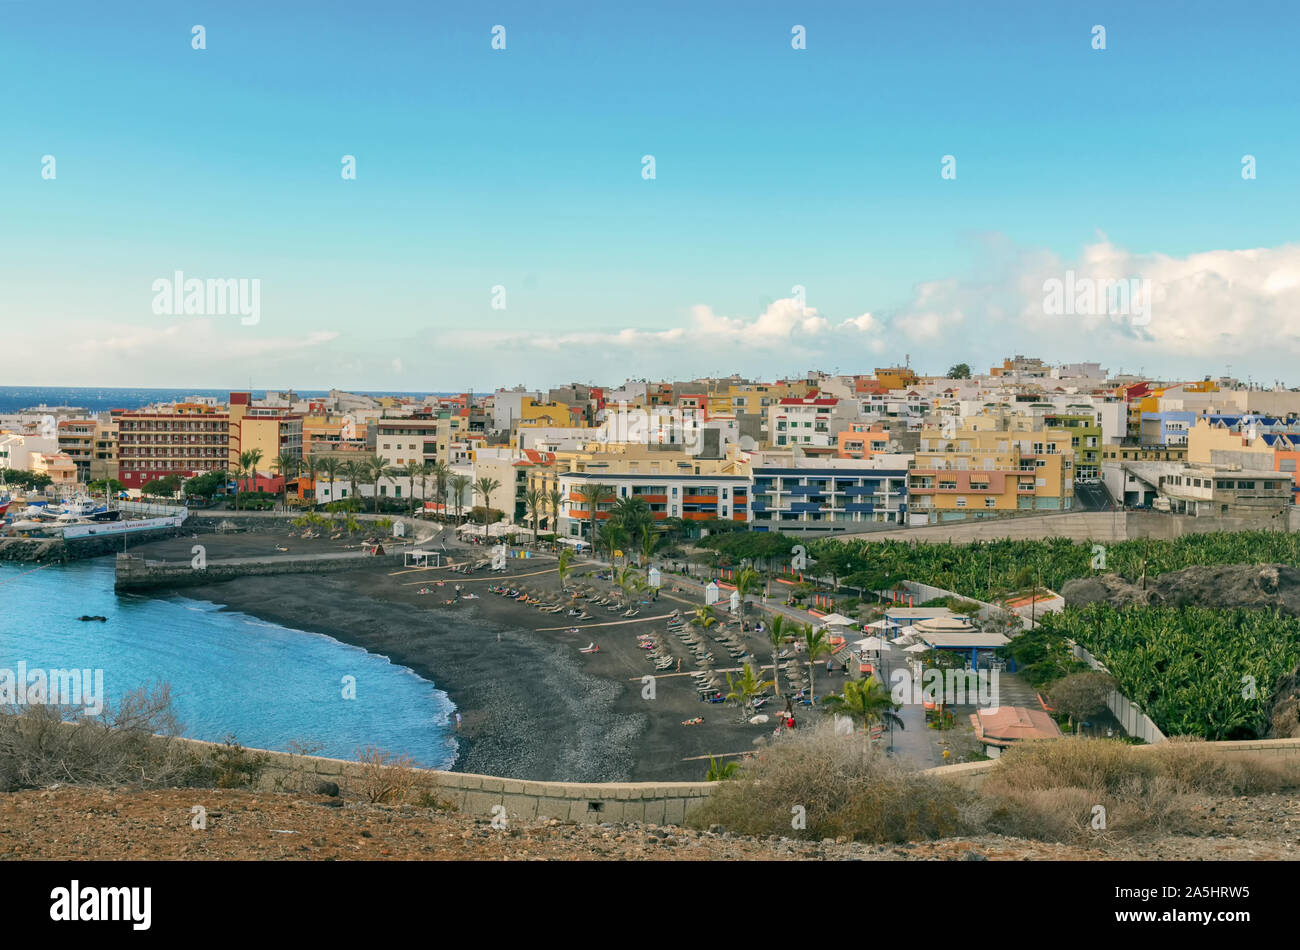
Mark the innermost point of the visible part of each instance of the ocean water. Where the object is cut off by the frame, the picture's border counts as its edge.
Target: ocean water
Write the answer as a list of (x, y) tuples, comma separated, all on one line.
[(230, 674), (102, 399)]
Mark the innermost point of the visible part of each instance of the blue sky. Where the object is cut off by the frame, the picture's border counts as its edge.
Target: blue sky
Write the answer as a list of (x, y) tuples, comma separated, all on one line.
[(775, 167)]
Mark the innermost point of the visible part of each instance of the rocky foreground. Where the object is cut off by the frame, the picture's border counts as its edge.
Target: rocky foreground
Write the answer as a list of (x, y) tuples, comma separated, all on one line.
[(85, 824)]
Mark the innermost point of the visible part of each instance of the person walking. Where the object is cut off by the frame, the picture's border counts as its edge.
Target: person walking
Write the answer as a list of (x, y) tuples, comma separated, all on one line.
[(458, 721)]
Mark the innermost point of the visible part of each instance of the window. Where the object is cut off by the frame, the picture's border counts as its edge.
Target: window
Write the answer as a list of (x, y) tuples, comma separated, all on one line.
[(990, 502)]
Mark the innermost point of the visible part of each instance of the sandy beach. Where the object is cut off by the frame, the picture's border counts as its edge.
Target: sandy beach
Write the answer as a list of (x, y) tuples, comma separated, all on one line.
[(532, 705)]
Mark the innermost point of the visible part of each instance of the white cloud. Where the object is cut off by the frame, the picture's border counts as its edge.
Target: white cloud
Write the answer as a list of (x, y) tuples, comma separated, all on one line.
[(1204, 305)]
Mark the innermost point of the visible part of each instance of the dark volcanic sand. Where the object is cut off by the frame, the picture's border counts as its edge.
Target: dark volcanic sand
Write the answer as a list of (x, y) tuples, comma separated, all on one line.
[(532, 705)]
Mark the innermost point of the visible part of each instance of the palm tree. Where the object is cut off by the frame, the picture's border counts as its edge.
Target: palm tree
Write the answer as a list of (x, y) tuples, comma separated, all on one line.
[(817, 645), (534, 502), (594, 495), (613, 536), (457, 485), (865, 701), (720, 772), (648, 542), (555, 498), (566, 556), (312, 465), (247, 466), (776, 637), (412, 471), (632, 513), (377, 469), (287, 466), (330, 466), (354, 470), (484, 487), (704, 617), (625, 578), (747, 582), (426, 470), (744, 688), (441, 474)]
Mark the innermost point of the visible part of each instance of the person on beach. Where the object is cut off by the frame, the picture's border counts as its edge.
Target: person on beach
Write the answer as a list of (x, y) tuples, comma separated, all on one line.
[(458, 720)]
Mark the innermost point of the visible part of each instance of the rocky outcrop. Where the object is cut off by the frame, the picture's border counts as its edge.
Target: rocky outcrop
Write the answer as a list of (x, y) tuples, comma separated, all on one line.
[(1219, 585), (38, 550), (1284, 723)]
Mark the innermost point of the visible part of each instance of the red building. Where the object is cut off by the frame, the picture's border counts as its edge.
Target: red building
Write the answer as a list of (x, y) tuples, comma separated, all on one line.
[(186, 440)]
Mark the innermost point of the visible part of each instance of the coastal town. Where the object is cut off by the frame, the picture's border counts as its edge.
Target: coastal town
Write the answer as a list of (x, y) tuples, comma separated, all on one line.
[(813, 455), (917, 557)]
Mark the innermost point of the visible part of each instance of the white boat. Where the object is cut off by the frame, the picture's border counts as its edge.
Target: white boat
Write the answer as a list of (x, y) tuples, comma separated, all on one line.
[(81, 506)]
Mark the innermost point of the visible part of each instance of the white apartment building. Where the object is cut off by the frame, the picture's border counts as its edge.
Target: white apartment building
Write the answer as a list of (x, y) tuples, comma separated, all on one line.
[(812, 422)]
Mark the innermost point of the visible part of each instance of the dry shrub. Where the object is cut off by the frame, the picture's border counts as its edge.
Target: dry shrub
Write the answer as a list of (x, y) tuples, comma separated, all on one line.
[(385, 778), (843, 788), (128, 744), (1099, 765), (1050, 790), (1195, 768), (228, 765), (1047, 791)]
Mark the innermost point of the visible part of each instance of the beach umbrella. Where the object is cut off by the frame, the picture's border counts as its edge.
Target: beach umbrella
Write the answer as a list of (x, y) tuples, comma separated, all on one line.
[(836, 620), (916, 648), (872, 643), (884, 624)]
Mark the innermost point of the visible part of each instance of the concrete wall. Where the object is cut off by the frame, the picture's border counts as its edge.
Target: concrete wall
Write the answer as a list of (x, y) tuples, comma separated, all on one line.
[(1078, 525), (135, 573), (972, 774), (657, 802), (1131, 718), (478, 795)]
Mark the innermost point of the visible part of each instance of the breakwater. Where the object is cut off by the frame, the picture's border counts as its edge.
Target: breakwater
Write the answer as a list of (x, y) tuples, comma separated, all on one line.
[(135, 573)]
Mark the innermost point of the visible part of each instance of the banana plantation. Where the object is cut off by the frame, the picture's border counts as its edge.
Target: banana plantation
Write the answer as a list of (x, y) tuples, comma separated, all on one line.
[(1194, 670), (989, 570)]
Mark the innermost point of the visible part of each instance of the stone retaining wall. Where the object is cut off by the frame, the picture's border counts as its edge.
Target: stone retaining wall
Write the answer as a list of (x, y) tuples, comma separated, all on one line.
[(657, 802), (135, 573), (479, 795), (972, 774)]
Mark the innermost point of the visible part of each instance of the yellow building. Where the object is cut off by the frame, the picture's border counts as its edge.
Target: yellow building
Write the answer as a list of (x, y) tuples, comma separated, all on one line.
[(896, 377), (632, 458), (1206, 438), (59, 466), (754, 398), (557, 414), (103, 462), (961, 473)]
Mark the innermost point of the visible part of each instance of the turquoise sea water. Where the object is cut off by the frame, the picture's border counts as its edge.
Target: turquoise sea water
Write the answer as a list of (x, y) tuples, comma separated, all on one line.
[(230, 673)]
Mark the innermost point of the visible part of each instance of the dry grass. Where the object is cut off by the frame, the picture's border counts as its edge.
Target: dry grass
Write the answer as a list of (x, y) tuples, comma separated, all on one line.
[(835, 787), (130, 744), (1061, 791), (1092, 792), (385, 778)]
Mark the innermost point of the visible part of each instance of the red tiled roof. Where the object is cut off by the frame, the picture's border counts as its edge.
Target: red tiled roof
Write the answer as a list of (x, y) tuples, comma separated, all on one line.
[(809, 401), (1008, 724)]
